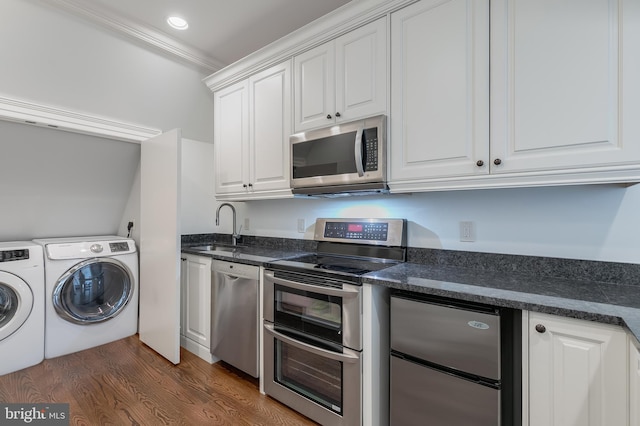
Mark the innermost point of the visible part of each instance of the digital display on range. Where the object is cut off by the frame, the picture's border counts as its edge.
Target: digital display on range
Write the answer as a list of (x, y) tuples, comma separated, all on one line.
[(355, 227), (357, 231)]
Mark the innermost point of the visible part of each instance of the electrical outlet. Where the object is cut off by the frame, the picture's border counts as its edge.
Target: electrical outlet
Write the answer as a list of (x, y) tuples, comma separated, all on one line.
[(301, 226), (467, 231), (246, 224)]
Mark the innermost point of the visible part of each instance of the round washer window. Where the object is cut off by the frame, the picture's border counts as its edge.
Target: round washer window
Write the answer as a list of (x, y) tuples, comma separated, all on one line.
[(93, 291), (8, 304), (16, 303)]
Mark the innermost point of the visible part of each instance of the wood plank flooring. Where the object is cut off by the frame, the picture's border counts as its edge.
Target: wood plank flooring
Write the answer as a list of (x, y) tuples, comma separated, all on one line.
[(127, 383)]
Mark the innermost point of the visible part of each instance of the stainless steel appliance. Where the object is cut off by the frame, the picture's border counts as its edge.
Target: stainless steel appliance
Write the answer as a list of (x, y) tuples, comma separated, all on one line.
[(234, 314), (347, 158), (453, 363), (313, 306)]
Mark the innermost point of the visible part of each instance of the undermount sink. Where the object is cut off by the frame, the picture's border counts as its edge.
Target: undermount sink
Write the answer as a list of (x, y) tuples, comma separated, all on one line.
[(218, 247)]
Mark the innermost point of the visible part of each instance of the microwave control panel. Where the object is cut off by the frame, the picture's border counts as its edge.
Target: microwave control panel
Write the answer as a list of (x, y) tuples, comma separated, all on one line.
[(370, 149)]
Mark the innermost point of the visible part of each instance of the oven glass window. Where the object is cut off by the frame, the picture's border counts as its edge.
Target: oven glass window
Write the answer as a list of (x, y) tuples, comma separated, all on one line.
[(313, 376), (313, 313)]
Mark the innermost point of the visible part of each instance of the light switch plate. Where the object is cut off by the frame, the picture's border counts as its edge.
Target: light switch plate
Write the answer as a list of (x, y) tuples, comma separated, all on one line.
[(301, 226)]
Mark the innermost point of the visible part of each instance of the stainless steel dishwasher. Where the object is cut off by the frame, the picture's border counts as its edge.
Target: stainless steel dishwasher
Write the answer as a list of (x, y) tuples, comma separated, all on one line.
[(453, 363), (234, 314)]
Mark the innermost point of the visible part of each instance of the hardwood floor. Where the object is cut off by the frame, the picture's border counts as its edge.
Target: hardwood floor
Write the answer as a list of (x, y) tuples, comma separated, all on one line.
[(127, 383)]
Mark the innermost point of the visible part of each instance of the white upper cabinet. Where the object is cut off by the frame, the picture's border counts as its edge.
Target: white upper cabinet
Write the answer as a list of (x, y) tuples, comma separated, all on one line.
[(565, 84), (439, 89), (251, 136), (559, 106), (343, 79), (231, 138), (270, 128)]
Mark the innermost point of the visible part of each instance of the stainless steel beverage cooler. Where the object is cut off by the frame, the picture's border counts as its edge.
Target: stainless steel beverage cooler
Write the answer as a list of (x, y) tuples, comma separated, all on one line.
[(453, 363)]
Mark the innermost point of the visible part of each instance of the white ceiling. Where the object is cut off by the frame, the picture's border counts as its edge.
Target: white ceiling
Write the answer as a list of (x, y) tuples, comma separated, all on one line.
[(220, 31)]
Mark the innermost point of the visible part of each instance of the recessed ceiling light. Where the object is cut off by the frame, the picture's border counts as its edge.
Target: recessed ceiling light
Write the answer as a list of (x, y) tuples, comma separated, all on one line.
[(177, 22)]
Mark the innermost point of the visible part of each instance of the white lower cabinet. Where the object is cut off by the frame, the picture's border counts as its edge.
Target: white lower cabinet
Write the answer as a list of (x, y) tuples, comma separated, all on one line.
[(578, 372), (634, 385), (195, 324)]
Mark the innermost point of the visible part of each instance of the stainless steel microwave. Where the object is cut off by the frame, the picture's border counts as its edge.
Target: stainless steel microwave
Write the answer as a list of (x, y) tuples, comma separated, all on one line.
[(348, 158)]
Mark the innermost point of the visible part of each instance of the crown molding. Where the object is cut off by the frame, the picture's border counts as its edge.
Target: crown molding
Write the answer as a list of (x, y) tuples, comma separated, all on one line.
[(330, 26), (140, 32), (54, 118)]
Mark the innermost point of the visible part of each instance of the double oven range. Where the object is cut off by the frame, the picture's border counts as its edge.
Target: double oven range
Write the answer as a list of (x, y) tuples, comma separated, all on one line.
[(316, 343)]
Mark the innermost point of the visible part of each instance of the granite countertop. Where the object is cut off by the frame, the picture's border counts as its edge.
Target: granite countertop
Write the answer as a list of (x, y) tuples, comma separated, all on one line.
[(249, 255), (583, 299), (605, 292)]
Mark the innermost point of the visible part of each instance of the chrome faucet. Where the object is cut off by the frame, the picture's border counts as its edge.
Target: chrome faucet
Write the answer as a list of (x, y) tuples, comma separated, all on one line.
[(234, 236)]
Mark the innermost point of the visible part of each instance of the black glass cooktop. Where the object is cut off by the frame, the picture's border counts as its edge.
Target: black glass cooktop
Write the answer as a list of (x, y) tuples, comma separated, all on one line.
[(342, 265)]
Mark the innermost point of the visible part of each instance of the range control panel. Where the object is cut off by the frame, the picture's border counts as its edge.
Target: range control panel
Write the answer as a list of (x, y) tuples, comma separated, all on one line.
[(387, 232), (9, 255), (357, 230)]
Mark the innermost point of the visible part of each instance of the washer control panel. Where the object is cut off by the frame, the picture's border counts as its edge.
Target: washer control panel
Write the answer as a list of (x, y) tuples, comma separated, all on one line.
[(119, 246), (9, 255)]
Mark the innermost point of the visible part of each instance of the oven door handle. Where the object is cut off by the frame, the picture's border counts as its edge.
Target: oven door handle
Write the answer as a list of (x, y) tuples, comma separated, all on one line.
[(348, 357), (329, 291)]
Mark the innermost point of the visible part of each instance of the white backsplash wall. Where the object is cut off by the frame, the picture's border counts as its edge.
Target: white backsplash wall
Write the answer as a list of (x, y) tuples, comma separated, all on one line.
[(596, 222), (61, 184)]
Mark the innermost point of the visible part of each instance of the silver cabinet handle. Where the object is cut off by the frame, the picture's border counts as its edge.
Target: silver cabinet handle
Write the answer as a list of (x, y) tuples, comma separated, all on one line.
[(358, 152), (349, 356)]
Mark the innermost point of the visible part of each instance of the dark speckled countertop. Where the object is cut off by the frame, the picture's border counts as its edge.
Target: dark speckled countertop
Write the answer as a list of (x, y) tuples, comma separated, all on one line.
[(247, 255), (584, 299), (606, 292)]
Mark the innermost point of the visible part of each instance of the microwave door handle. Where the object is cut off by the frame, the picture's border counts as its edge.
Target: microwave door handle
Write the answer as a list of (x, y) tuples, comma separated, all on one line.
[(358, 152), (348, 356)]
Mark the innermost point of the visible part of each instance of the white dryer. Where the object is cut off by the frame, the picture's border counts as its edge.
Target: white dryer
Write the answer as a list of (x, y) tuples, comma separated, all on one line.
[(91, 292), (21, 306)]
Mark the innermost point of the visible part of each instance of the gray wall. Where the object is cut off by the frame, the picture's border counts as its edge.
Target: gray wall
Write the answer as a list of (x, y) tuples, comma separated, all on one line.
[(55, 59), (59, 184)]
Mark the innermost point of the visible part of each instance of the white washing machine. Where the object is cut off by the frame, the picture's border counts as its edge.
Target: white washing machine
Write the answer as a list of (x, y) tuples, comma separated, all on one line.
[(91, 292), (21, 306)]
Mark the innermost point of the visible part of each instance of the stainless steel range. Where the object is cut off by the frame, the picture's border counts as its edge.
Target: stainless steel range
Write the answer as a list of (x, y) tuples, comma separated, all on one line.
[(316, 343)]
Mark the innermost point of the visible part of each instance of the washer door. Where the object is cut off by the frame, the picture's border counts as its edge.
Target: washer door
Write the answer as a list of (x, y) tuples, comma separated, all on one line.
[(93, 291), (16, 302)]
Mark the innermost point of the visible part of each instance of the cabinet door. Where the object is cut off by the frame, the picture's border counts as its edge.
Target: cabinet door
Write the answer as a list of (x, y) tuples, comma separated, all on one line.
[(634, 385), (577, 373), (270, 128), (231, 138), (197, 299), (361, 72), (314, 75), (565, 84), (439, 89)]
